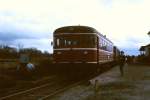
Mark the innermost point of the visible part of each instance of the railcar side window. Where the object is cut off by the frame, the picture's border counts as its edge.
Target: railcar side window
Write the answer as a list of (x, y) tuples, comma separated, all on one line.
[(100, 44), (105, 45), (93, 41)]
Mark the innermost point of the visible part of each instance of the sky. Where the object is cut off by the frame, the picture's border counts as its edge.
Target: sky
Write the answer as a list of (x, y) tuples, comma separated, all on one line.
[(31, 23)]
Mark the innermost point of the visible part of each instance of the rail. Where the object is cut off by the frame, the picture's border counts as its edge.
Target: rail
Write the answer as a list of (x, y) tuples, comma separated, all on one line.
[(8, 60), (44, 91)]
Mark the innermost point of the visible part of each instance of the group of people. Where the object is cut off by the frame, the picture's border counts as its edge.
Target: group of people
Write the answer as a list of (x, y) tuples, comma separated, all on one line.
[(25, 67)]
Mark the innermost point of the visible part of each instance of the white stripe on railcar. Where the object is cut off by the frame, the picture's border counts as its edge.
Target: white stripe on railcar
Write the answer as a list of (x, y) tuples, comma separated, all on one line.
[(76, 49), (83, 49)]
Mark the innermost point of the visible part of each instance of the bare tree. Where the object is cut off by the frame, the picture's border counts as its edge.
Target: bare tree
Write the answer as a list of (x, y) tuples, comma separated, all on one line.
[(148, 33), (20, 46)]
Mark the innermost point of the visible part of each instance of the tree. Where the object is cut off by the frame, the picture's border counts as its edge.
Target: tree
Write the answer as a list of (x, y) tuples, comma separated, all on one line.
[(20, 47), (148, 33)]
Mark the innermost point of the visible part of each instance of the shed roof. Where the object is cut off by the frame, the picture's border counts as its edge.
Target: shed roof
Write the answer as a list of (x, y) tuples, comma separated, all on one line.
[(142, 48), (148, 45)]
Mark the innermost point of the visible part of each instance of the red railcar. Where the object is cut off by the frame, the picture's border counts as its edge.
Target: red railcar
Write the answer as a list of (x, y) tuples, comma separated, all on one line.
[(81, 50), (81, 44)]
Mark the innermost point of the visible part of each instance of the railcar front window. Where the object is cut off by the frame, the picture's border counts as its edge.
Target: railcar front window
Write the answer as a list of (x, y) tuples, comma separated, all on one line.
[(65, 42), (81, 41), (69, 42), (57, 42)]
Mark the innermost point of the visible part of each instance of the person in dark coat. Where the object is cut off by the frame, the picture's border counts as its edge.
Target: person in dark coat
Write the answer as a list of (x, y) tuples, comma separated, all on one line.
[(121, 63), (23, 61)]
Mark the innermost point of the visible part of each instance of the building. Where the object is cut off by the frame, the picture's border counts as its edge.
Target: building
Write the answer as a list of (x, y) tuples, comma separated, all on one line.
[(145, 50)]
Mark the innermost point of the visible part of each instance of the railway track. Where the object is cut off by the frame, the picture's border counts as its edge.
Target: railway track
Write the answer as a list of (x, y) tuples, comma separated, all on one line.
[(26, 86), (42, 92), (8, 60), (45, 90), (46, 97)]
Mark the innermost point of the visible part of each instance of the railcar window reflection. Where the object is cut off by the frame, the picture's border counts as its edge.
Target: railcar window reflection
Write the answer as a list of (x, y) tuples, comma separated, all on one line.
[(69, 42)]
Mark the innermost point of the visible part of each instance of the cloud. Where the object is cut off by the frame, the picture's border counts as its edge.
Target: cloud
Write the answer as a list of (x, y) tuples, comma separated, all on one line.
[(12, 27), (125, 22)]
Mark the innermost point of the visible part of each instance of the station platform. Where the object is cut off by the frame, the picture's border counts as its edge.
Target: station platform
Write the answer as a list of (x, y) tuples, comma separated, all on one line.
[(133, 85)]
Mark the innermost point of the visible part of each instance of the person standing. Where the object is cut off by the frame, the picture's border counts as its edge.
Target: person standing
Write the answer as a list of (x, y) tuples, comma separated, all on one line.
[(121, 63), (23, 60)]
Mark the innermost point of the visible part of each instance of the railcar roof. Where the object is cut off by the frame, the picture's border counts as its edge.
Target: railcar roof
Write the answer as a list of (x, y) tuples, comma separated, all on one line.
[(76, 29)]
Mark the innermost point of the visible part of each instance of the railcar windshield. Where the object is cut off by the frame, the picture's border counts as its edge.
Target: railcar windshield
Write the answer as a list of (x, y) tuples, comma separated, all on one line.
[(75, 41)]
